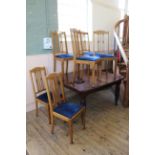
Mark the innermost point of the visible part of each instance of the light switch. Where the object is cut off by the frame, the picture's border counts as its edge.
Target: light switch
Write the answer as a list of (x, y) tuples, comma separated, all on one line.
[(47, 43)]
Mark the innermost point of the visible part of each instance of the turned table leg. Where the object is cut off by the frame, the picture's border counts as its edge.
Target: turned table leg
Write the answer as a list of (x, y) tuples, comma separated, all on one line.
[(83, 100), (117, 92)]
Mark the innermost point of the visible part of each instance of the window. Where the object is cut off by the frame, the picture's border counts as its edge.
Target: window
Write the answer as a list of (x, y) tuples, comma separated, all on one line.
[(74, 14)]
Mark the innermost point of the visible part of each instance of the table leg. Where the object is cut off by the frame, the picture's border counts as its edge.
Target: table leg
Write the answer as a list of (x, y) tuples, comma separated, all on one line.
[(115, 70), (83, 100), (74, 72), (117, 91)]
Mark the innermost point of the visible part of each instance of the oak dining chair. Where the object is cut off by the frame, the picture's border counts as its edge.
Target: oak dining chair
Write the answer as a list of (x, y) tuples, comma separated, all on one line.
[(85, 41), (80, 57), (60, 108), (101, 41), (60, 51), (101, 48), (37, 75)]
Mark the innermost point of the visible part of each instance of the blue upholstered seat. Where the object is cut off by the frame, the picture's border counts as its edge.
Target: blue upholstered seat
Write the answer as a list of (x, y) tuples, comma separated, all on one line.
[(68, 109), (101, 55), (98, 54), (88, 57), (64, 55), (89, 53), (43, 97)]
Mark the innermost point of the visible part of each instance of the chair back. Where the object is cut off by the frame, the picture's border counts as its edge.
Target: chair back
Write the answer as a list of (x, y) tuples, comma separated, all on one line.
[(37, 76), (100, 42), (85, 41), (76, 42), (54, 84), (59, 42), (80, 42)]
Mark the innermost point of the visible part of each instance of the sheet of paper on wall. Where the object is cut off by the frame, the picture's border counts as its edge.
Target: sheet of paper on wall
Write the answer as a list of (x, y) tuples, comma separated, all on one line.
[(47, 43)]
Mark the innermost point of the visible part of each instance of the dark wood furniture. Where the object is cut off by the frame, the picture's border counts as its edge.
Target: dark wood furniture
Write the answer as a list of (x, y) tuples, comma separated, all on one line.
[(84, 89)]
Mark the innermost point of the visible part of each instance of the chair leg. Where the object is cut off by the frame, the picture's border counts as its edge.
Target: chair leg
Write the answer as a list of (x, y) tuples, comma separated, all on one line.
[(106, 69), (78, 71), (93, 74), (88, 70), (74, 72), (36, 108), (99, 69), (54, 65), (49, 115), (82, 72), (67, 67), (52, 123), (71, 131), (62, 69), (83, 119)]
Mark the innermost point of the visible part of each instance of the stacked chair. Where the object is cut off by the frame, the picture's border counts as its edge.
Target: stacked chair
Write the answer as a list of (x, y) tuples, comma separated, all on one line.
[(85, 41), (101, 48), (99, 41), (80, 58), (83, 56), (60, 51)]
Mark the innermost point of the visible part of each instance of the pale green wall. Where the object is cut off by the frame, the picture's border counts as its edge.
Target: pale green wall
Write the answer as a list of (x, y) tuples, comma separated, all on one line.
[(41, 19)]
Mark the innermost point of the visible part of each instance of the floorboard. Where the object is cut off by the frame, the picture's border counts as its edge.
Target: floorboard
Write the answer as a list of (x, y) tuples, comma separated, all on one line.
[(106, 133)]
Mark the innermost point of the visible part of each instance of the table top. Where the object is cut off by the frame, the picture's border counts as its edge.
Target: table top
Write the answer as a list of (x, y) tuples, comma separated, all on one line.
[(87, 87)]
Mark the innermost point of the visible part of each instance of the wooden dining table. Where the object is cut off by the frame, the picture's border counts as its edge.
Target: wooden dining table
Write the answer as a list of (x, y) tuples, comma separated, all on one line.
[(86, 88)]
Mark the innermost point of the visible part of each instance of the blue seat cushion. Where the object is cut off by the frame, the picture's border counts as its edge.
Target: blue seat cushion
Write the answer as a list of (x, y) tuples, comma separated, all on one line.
[(43, 97), (102, 55), (64, 56), (88, 57), (89, 53), (68, 109)]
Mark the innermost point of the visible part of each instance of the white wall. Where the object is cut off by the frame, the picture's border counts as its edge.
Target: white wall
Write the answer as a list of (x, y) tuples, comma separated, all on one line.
[(105, 15), (33, 61), (108, 3)]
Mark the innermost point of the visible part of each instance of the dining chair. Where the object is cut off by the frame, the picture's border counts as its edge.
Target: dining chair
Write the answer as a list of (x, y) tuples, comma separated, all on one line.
[(101, 41), (86, 49), (59, 106), (37, 76), (101, 49), (85, 41), (60, 51), (80, 57)]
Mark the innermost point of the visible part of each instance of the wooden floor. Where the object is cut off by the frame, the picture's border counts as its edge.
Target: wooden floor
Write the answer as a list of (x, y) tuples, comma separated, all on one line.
[(106, 130)]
